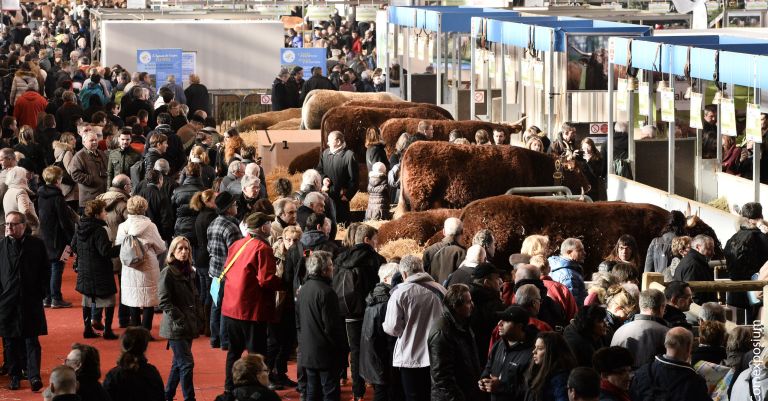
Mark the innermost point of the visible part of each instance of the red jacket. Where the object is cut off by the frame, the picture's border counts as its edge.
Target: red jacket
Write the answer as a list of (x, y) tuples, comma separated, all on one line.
[(250, 285), (560, 294), (27, 107)]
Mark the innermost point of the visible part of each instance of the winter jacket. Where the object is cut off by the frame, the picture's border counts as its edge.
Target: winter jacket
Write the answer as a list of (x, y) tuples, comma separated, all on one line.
[(413, 308), (204, 219), (89, 170), (17, 199), (746, 252), (22, 81), (554, 389), (319, 325), (695, 267), (643, 336), (250, 392), (57, 220), (116, 200), (24, 280), (676, 318), (120, 162), (279, 95), (742, 390), (483, 319), (89, 389), (315, 82), (94, 251), (197, 98), (562, 296), (34, 156), (367, 261), (293, 92), (178, 301), (715, 354), (376, 346), (454, 366), (65, 155), (295, 272), (664, 378), (251, 283), (159, 211), (378, 197), (185, 224), (583, 346), (374, 154), (443, 258), (342, 169), (67, 115), (570, 274), (144, 384), (659, 253), (509, 364), (138, 285), (27, 107)]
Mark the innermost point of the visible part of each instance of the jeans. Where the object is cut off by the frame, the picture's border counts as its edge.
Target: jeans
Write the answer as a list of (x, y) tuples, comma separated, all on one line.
[(243, 335), (205, 288), (142, 317), (416, 383), (323, 385), (381, 392), (354, 332), (218, 331), (24, 351), (53, 292), (181, 370), (281, 341)]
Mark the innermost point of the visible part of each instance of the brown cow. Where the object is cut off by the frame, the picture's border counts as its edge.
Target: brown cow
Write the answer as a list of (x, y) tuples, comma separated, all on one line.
[(392, 105), (319, 101), (266, 120), (439, 174), (304, 161), (392, 129), (419, 226)]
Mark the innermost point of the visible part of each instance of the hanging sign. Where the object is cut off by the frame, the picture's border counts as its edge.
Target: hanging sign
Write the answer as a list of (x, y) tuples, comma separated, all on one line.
[(728, 117), (509, 72), (696, 100), (754, 133), (431, 50), (492, 65), (538, 75), (391, 43), (660, 7), (525, 72), (400, 44), (668, 105), (420, 43), (643, 98), (621, 95), (755, 5), (412, 43), (366, 12), (320, 13)]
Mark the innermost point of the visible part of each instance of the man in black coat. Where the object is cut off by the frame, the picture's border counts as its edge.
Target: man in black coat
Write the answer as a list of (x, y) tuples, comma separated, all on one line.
[(160, 210), (679, 296), (320, 329), (504, 374), (340, 174), (280, 96), (486, 294), (746, 251), (695, 266), (293, 86), (24, 276), (454, 365), (317, 81)]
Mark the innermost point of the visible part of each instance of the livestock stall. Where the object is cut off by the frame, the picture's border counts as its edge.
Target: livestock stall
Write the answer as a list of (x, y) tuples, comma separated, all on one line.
[(418, 37), (723, 70), (561, 63)]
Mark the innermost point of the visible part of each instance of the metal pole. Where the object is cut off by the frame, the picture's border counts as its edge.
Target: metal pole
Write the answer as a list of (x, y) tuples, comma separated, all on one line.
[(698, 158), (488, 88), (407, 57), (473, 60), (757, 151), (438, 65), (388, 56), (631, 124), (720, 132), (671, 148), (503, 80), (551, 86), (610, 119), (456, 72)]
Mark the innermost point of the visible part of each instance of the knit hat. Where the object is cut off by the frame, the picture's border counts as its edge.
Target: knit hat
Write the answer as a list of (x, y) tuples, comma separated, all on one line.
[(223, 202)]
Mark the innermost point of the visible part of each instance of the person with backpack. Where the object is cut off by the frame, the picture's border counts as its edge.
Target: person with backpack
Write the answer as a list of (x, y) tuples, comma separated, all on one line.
[(94, 87), (746, 252)]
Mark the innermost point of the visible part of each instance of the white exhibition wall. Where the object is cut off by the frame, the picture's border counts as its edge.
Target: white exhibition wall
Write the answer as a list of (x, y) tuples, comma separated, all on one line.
[(231, 54)]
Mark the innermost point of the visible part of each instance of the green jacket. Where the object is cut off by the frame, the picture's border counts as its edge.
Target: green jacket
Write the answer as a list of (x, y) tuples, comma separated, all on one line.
[(120, 162)]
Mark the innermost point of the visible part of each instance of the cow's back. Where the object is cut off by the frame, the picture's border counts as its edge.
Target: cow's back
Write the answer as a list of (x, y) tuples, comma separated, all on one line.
[(393, 128)]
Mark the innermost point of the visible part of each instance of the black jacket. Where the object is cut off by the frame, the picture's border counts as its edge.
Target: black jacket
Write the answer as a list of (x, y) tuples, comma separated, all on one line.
[(183, 193), (293, 93), (89, 389), (295, 271), (279, 95), (57, 220), (250, 392), (665, 377), (159, 210), (714, 354), (202, 221), (144, 384), (676, 318), (197, 98), (367, 261), (178, 300), (24, 277), (376, 346), (550, 311), (185, 224), (583, 347), (454, 366), (319, 325), (341, 167), (315, 82), (509, 364), (67, 115), (695, 267), (376, 153), (34, 155), (94, 258), (745, 253), (483, 320)]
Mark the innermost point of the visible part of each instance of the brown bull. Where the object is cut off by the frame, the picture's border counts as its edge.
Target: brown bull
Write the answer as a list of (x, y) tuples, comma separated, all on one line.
[(392, 129), (390, 104), (439, 174), (266, 120), (419, 226)]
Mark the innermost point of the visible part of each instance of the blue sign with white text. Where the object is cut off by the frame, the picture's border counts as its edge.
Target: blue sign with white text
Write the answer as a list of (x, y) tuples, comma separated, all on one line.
[(160, 63), (306, 58)]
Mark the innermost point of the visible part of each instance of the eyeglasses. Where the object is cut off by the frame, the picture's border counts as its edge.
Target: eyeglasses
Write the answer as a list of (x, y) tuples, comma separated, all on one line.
[(13, 224)]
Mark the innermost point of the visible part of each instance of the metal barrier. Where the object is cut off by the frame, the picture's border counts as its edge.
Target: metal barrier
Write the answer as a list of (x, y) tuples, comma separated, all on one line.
[(556, 189), (229, 107), (579, 198)]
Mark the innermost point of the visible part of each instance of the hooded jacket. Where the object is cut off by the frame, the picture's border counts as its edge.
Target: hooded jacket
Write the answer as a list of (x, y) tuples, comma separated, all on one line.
[(454, 366), (378, 197), (22, 81), (94, 252), (28, 105), (138, 286), (570, 274), (57, 220), (367, 262), (376, 346)]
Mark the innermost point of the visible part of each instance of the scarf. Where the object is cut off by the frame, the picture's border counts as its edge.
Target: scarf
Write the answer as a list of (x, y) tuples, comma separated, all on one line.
[(608, 387), (184, 267)]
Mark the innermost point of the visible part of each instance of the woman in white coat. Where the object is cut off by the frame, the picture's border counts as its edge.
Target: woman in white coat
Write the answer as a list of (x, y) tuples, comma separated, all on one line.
[(17, 198), (138, 285)]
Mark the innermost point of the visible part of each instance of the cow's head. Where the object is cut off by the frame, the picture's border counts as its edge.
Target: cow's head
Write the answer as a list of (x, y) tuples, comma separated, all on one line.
[(573, 177)]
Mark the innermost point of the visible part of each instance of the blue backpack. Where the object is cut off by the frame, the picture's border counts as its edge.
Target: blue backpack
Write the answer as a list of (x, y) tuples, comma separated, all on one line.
[(89, 90)]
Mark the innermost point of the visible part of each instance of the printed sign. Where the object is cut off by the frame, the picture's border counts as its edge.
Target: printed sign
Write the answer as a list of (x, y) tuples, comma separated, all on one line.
[(644, 98), (306, 58), (755, 5), (421, 42), (366, 12), (754, 132), (525, 72), (159, 63), (274, 11), (660, 7), (266, 99), (509, 71), (412, 43), (129, 4), (728, 117), (320, 13), (696, 100), (621, 95), (188, 66), (400, 44), (668, 105), (538, 75), (479, 97)]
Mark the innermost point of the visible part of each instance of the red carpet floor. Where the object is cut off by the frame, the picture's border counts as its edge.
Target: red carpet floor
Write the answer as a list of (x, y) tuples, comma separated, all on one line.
[(65, 328)]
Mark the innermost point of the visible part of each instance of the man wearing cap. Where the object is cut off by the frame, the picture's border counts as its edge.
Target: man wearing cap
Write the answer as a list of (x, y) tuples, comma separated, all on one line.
[(249, 294), (485, 290), (746, 252), (222, 233), (614, 364), (504, 374)]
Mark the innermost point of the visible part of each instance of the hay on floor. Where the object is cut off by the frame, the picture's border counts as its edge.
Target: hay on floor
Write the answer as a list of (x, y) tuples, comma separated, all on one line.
[(359, 202), (250, 138), (401, 247), (277, 173)]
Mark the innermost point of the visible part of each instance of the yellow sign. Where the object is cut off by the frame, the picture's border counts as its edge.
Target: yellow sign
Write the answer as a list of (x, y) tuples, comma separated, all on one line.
[(668, 105), (643, 98), (621, 95), (753, 123), (696, 100), (728, 117)]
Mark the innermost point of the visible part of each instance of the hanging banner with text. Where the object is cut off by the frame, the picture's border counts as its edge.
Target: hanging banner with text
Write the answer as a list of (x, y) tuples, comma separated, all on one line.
[(188, 66), (696, 100), (754, 133), (644, 98), (159, 64), (320, 13), (621, 95), (306, 58), (668, 105), (728, 116)]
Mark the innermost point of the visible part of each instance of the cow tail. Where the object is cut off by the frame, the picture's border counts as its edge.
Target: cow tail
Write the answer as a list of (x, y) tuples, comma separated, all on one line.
[(403, 204)]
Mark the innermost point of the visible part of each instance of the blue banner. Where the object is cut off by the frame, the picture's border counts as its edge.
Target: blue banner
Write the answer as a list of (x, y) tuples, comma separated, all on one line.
[(306, 58), (160, 63)]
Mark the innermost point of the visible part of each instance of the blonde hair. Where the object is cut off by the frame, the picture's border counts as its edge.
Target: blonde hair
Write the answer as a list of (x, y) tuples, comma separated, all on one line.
[(200, 153), (137, 205), (535, 245), (618, 296), (292, 231), (65, 138), (199, 199), (26, 135), (52, 174), (533, 139), (175, 244)]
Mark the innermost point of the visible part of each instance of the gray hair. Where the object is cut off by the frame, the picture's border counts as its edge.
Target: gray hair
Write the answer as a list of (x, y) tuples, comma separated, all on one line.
[(620, 126), (162, 166), (280, 204), (527, 272), (16, 175), (249, 180), (452, 226), (311, 179), (652, 299), (410, 264), (679, 338), (712, 311), (234, 167), (387, 270), (121, 180), (701, 240), (483, 238), (337, 135), (283, 72), (569, 244), (318, 263), (171, 78), (313, 197), (526, 294), (7, 153)]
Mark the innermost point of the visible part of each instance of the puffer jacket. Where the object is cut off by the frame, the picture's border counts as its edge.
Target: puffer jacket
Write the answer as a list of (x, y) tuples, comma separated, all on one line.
[(94, 250), (58, 220), (178, 300), (570, 274), (61, 152), (454, 366), (378, 199), (185, 224), (413, 308), (367, 261), (375, 345), (183, 193), (138, 286), (117, 211), (22, 81)]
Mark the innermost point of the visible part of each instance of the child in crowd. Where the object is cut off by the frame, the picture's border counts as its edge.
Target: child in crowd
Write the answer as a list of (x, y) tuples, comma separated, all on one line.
[(378, 192)]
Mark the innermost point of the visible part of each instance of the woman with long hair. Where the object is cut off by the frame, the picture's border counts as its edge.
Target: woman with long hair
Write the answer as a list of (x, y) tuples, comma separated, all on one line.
[(63, 153), (586, 333), (625, 251), (205, 204), (134, 378), (34, 154), (86, 362), (551, 364), (594, 167)]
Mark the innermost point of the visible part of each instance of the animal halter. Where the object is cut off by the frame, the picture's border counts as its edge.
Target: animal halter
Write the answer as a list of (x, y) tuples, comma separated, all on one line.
[(557, 176)]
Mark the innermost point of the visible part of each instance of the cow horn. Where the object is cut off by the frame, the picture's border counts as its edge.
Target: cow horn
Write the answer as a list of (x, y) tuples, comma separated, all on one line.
[(688, 210)]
